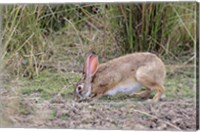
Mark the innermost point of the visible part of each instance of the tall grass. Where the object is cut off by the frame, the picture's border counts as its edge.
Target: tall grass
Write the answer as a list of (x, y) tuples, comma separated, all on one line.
[(158, 27), (164, 28), (24, 43)]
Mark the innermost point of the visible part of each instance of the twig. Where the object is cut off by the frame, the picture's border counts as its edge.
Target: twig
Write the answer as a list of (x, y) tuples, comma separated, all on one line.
[(186, 28), (77, 32), (152, 116), (193, 57), (180, 66), (61, 91), (165, 49)]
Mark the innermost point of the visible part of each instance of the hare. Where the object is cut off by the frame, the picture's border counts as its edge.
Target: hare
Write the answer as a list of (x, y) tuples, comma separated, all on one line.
[(126, 74)]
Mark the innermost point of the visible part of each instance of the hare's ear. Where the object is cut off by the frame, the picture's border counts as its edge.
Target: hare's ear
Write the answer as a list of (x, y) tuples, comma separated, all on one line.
[(91, 64)]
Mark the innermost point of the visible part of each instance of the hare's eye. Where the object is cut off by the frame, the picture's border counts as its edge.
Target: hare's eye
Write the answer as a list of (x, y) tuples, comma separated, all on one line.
[(79, 88)]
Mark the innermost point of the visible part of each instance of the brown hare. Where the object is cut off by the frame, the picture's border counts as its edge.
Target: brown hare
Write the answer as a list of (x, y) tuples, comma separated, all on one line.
[(126, 74)]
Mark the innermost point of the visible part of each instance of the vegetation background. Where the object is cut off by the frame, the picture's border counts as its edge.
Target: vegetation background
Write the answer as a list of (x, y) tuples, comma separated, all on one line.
[(43, 49)]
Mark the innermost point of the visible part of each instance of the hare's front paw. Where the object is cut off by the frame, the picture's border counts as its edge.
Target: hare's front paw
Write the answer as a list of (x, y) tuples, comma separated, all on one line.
[(142, 94), (150, 101)]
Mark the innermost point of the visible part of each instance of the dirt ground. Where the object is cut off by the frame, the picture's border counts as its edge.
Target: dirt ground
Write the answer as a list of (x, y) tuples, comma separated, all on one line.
[(29, 109), (127, 113)]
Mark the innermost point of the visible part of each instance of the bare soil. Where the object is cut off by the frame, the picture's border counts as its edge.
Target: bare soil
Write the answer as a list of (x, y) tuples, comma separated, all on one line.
[(128, 113)]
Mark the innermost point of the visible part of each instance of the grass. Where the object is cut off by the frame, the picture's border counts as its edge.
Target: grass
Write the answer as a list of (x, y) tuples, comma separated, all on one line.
[(65, 116), (145, 26), (50, 83), (52, 116), (29, 31), (25, 109), (180, 87), (47, 85)]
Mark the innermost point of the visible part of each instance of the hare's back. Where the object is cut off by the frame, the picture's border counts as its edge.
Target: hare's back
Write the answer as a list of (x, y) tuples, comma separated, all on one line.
[(132, 61), (137, 58)]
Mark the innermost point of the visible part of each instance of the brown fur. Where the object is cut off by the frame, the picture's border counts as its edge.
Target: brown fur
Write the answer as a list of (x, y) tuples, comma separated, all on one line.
[(145, 68)]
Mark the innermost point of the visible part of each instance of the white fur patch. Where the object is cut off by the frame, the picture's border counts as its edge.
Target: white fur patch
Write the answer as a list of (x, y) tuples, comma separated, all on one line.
[(88, 93), (125, 88)]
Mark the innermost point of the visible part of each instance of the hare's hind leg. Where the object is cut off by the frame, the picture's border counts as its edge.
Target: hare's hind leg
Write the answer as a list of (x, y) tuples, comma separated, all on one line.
[(143, 94), (159, 91), (148, 79)]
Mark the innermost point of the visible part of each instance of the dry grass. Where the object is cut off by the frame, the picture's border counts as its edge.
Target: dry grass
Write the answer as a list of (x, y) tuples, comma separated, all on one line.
[(111, 30)]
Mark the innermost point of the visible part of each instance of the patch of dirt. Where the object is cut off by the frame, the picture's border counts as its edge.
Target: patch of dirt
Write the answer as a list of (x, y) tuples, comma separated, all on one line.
[(176, 114)]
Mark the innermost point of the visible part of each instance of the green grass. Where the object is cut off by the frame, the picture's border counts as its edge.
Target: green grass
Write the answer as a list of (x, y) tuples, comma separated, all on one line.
[(25, 109), (180, 83), (48, 84), (65, 116), (52, 116), (180, 87)]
